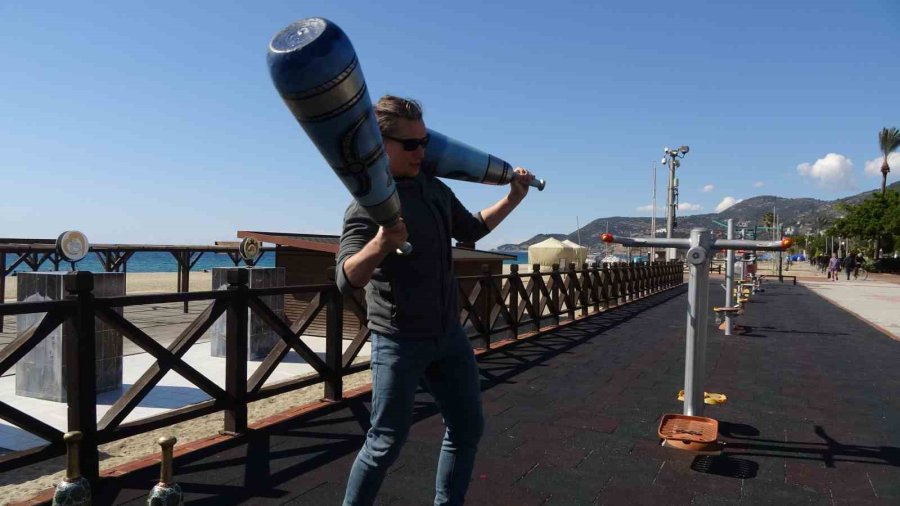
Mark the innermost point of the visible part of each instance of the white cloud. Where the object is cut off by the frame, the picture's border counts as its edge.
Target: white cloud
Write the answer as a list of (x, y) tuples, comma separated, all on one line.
[(832, 172), (708, 188), (726, 203), (873, 167), (758, 184), (646, 209), (687, 206)]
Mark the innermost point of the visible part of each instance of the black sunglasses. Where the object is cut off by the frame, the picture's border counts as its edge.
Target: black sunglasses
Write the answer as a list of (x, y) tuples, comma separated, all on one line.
[(410, 144)]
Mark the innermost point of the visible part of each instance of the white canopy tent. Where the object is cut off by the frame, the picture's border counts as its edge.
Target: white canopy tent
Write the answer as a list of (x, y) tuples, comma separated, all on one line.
[(550, 251), (581, 252)]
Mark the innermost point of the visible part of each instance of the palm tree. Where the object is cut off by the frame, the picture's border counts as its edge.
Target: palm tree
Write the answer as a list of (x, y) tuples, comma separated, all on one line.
[(889, 140), (768, 220)]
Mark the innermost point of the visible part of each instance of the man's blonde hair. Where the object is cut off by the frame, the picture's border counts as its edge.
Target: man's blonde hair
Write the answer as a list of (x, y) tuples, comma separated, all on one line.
[(390, 109)]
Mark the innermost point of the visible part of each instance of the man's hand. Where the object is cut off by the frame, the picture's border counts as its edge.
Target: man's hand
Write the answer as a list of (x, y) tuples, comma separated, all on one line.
[(389, 239), (359, 267), (518, 188)]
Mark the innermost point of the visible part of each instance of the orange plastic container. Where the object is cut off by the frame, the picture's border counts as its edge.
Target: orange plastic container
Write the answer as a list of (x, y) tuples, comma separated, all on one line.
[(694, 433)]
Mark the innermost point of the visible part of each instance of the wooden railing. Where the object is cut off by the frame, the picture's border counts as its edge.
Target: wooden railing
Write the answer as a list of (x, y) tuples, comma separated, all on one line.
[(492, 307)]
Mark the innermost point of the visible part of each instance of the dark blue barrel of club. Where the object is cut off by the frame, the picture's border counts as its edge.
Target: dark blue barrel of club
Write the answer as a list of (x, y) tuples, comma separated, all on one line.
[(449, 158), (315, 70)]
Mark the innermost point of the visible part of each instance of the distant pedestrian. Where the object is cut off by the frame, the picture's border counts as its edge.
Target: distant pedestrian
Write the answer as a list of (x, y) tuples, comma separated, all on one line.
[(860, 260), (849, 265), (834, 266)]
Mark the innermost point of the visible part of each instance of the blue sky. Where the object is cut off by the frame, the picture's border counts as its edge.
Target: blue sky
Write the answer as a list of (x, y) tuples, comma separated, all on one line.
[(156, 122)]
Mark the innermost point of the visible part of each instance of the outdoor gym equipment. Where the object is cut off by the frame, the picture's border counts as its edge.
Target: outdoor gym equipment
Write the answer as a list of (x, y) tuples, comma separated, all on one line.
[(692, 431), (166, 492), (74, 489)]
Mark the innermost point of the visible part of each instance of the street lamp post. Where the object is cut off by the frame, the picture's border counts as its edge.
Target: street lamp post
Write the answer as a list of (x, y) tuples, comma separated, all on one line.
[(671, 159)]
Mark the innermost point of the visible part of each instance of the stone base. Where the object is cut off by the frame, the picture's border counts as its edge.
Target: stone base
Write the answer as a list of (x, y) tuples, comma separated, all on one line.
[(41, 373), (261, 339)]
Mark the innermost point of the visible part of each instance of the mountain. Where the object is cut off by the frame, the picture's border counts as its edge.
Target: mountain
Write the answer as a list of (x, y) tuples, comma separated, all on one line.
[(805, 215)]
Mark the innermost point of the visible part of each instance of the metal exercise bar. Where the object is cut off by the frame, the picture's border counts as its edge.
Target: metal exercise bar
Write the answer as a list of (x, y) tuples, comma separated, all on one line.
[(700, 247), (729, 280)]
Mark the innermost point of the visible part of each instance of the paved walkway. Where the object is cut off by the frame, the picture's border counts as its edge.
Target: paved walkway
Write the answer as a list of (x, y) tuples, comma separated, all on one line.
[(877, 302), (813, 418)]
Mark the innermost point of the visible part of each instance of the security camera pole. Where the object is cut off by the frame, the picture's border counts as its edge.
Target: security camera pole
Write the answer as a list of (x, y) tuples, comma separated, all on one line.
[(671, 159), (700, 247)]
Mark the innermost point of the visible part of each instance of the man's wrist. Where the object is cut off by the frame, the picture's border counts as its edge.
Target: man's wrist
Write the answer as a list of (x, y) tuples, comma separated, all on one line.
[(382, 248)]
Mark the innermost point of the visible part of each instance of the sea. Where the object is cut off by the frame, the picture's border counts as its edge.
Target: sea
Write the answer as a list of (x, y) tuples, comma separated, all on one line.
[(149, 261), (155, 261), (521, 257)]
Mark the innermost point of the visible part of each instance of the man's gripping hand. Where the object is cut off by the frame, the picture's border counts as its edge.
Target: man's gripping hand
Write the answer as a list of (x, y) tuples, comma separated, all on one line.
[(518, 188), (389, 239)]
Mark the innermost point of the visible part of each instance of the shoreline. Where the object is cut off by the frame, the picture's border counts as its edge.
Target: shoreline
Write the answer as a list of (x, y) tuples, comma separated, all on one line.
[(140, 282)]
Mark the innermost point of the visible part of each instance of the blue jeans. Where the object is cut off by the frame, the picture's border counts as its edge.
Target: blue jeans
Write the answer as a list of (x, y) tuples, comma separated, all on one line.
[(447, 364)]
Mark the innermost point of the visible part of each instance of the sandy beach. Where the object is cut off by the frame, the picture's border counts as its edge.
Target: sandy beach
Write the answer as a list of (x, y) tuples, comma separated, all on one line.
[(142, 282)]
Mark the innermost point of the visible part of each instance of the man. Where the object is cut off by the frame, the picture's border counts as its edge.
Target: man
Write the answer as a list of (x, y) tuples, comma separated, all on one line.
[(850, 264), (412, 309)]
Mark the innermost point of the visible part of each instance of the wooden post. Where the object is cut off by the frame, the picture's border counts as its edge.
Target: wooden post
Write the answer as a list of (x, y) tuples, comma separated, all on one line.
[(635, 273), (628, 275), (334, 329), (584, 288), (536, 281), (236, 351), (604, 286), (614, 284), (642, 279), (487, 304), (595, 287), (2, 283), (183, 258), (639, 280), (80, 357), (514, 283), (554, 293), (571, 290), (648, 278), (186, 277)]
